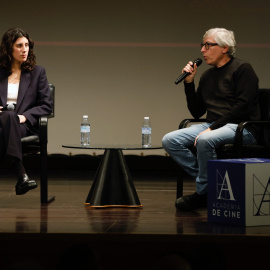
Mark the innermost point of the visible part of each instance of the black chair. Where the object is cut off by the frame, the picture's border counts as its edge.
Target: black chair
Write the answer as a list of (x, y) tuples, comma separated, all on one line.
[(237, 149), (37, 144)]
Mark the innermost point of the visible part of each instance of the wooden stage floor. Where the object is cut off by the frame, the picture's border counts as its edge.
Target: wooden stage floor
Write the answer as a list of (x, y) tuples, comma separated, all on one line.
[(67, 233)]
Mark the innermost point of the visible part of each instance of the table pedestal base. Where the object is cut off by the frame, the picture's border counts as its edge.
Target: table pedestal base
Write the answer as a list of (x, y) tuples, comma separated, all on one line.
[(113, 184)]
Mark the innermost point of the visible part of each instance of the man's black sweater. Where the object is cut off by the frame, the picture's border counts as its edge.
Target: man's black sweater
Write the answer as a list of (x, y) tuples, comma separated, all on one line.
[(228, 94)]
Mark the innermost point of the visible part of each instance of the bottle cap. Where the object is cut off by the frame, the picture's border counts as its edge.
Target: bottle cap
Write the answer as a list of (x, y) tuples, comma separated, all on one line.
[(85, 116), (146, 117)]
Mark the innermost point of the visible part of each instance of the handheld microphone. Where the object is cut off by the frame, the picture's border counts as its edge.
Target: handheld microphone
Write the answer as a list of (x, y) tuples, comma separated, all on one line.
[(198, 61)]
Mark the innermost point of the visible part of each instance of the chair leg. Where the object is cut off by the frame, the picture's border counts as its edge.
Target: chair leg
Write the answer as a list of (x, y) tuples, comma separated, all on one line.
[(44, 179), (180, 180)]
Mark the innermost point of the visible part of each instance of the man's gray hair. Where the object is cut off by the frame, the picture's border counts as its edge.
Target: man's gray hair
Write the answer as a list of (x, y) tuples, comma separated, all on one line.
[(223, 38)]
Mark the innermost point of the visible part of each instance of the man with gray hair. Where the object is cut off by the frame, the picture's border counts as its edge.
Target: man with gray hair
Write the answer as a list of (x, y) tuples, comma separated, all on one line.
[(228, 94)]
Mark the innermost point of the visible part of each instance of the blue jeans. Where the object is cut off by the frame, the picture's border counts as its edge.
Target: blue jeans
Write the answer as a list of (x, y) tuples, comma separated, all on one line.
[(176, 144)]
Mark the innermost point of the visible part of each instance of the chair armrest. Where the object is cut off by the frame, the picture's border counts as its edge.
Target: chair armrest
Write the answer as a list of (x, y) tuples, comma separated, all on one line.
[(43, 120), (185, 122), (43, 129), (238, 142)]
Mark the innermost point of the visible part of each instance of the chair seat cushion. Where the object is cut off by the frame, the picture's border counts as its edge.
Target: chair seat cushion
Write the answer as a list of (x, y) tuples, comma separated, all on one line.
[(30, 140)]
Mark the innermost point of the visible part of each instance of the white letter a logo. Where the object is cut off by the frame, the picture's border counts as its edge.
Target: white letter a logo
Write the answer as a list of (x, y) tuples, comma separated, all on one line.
[(225, 192)]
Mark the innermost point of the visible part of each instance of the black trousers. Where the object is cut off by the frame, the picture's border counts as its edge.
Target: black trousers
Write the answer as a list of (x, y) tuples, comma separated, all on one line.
[(11, 132)]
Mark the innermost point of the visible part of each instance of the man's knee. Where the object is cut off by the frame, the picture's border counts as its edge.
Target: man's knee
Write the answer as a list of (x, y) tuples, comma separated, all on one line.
[(165, 141), (171, 140)]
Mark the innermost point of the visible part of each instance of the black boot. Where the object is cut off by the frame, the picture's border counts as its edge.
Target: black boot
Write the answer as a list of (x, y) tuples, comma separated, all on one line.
[(191, 202), (24, 184)]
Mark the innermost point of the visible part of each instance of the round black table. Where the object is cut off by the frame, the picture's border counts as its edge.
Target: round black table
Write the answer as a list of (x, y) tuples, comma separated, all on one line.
[(113, 184)]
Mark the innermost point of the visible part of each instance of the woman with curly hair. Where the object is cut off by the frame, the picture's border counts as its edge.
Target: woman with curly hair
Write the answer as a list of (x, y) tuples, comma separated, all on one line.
[(24, 97)]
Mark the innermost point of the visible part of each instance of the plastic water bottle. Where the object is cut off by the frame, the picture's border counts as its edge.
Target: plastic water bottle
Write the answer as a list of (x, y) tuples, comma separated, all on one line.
[(146, 132), (85, 131)]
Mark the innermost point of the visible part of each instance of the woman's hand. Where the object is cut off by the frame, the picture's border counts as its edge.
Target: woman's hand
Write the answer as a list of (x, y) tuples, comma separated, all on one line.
[(1, 108), (22, 118)]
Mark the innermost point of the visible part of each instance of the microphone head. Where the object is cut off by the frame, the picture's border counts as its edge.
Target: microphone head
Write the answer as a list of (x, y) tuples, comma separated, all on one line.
[(198, 61)]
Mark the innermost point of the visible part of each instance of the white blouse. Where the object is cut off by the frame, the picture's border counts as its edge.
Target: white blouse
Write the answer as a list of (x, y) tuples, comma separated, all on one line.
[(13, 89)]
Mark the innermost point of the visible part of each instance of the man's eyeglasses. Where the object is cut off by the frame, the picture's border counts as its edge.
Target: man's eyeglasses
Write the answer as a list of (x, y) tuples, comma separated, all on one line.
[(207, 45)]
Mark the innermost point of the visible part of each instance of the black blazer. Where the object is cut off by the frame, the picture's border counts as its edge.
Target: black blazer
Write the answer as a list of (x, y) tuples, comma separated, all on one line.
[(34, 97)]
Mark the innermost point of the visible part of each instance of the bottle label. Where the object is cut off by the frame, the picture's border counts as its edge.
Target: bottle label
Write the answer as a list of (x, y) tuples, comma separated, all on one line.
[(85, 129), (146, 130)]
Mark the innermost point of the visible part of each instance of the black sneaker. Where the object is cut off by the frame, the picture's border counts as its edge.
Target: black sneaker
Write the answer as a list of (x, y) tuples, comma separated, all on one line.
[(191, 202)]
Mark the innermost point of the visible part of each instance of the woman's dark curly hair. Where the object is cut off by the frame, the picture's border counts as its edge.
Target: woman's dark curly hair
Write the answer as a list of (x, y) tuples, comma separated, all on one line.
[(6, 49)]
